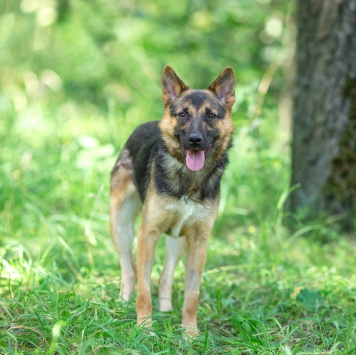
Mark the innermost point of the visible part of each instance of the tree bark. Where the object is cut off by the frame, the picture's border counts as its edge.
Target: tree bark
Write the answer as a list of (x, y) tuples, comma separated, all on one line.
[(324, 114)]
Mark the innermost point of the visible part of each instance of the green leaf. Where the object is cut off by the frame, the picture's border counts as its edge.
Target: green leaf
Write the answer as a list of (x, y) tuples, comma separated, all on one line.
[(311, 300)]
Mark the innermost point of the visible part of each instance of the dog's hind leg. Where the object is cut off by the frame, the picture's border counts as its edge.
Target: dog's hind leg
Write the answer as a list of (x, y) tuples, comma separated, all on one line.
[(124, 206), (175, 248)]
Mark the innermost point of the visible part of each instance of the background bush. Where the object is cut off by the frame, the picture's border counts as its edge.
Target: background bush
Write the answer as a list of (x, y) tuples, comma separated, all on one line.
[(76, 77)]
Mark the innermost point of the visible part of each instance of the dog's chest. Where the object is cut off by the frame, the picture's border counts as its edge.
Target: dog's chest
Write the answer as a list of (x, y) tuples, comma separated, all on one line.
[(184, 213)]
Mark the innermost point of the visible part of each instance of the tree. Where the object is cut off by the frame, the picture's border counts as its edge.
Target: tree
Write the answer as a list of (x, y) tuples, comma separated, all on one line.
[(324, 115)]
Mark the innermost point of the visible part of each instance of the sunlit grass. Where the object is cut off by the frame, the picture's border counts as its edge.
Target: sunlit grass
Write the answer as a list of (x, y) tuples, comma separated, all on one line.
[(265, 289), (74, 82)]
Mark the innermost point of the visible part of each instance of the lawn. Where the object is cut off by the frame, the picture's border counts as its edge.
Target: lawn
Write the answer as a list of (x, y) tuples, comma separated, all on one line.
[(266, 289), (74, 82)]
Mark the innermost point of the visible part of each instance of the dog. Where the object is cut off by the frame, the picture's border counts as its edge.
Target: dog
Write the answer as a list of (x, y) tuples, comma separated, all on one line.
[(171, 170)]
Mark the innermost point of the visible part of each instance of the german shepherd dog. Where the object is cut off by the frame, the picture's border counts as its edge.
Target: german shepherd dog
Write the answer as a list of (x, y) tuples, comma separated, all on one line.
[(171, 170)]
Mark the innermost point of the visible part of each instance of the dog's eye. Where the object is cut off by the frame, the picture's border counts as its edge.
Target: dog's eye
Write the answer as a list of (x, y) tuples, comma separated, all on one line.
[(211, 115), (182, 114)]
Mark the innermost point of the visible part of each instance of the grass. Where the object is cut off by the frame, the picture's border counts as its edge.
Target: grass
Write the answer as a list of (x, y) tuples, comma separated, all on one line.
[(265, 290)]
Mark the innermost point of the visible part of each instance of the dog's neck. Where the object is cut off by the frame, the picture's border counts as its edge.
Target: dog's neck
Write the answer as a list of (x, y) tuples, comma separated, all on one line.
[(173, 178)]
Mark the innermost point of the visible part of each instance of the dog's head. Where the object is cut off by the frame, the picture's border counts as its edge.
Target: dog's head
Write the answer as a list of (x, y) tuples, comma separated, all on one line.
[(197, 123)]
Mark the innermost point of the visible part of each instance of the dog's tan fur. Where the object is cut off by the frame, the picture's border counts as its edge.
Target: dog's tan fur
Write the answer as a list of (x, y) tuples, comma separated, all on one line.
[(187, 219)]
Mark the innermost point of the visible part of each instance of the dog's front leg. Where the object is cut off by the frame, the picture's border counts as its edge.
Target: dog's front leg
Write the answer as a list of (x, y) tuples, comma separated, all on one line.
[(145, 252), (196, 255)]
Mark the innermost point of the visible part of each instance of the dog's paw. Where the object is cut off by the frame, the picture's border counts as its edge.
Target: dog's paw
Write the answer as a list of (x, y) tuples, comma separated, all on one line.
[(145, 322), (165, 305), (191, 332)]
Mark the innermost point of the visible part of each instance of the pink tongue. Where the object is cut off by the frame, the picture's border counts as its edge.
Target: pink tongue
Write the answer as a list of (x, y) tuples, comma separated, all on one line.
[(195, 159)]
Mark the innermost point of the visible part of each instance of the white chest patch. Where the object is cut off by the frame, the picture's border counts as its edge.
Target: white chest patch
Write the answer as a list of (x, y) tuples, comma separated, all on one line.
[(186, 212)]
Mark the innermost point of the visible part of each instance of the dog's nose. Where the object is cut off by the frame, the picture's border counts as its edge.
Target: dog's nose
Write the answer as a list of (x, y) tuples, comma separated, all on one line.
[(195, 139)]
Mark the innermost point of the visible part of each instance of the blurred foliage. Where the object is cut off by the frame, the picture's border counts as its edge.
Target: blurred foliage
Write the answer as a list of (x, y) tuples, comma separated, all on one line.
[(103, 51), (77, 76)]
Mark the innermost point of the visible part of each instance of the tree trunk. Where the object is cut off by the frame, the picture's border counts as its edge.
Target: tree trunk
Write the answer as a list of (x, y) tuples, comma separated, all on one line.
[(324, 115)]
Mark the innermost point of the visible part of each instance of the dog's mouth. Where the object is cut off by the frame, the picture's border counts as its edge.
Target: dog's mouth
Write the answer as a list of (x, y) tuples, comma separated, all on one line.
[(195, 159)]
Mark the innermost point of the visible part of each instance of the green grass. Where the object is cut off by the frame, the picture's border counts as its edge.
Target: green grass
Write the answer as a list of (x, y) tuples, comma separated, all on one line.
[(265, 290), (71, 92)]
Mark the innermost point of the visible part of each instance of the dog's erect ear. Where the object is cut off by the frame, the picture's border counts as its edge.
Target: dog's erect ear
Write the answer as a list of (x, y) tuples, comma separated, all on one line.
[(172, 85), (224, 87)]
